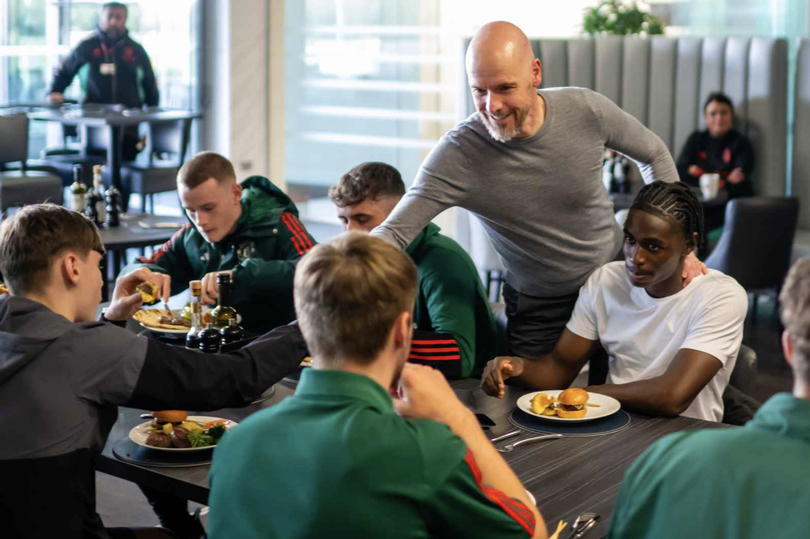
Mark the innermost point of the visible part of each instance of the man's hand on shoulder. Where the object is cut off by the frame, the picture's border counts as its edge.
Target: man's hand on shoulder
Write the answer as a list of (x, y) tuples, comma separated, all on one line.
[(425, 394), (126, 300), (692, 267), (497, 371), (210, 288)]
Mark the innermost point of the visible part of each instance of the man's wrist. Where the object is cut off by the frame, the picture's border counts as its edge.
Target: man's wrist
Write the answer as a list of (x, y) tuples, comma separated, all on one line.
[(103, 318)]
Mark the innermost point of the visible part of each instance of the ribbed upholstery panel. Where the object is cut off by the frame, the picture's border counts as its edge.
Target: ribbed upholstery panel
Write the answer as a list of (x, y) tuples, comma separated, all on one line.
[(663, 66), (712, 66), (636, 77), (767, 118), (687, 90), (735, 82), (581, 71), (609, 67), (553, 56), (801, 134)]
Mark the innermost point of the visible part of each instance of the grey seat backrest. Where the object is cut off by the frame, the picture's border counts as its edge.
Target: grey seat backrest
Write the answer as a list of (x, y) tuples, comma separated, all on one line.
[(801, 133), (664, 81), (13, 138)]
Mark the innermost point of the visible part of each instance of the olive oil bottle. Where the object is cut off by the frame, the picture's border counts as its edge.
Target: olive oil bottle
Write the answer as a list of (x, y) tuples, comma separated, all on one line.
[(223, 313)]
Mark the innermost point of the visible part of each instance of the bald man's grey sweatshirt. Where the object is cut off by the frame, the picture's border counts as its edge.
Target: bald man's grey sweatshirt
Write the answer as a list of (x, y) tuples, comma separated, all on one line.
[(540, 198)]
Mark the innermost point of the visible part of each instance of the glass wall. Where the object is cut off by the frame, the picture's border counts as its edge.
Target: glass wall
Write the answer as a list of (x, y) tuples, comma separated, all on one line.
[(36, 34)]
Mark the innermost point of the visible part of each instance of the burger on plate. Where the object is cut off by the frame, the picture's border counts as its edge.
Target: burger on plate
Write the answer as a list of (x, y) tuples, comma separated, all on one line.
[(572, 403)]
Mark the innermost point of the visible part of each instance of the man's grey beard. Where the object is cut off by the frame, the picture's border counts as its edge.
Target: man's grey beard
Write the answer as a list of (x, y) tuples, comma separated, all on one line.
[(501, 135)]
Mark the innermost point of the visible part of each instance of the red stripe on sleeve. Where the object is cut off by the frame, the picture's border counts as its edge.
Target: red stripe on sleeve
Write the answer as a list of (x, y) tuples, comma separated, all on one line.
[(514, 508), (302, 232), (423, 342), (433, 358), (158, 253), (434, 350), (293, 235)]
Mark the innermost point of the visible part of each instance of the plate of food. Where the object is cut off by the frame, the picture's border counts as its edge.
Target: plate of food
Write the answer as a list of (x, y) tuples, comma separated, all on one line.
[(573, 404), (175, 430), (159, 320)]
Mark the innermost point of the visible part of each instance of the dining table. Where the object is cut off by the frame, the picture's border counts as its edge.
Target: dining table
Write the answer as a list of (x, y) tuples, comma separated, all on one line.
[(136, 230), (113, 118), (567, 476)]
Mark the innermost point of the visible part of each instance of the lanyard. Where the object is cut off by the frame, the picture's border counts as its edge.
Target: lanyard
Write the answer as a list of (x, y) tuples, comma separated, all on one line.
[(105, 50)]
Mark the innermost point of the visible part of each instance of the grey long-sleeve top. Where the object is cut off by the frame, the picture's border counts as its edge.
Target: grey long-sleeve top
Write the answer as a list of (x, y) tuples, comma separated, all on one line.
[(541, 198)]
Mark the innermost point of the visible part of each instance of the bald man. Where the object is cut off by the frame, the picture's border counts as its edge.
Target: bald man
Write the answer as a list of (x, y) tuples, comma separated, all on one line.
[(528, 165)]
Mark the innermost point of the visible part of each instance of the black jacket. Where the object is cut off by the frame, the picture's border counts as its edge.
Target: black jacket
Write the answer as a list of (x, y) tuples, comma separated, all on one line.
[(133, 83), (60, 385), (719, 156)]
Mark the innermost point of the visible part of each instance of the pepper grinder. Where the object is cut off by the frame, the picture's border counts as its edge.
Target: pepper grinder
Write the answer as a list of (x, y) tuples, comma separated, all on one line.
[(113, 197)]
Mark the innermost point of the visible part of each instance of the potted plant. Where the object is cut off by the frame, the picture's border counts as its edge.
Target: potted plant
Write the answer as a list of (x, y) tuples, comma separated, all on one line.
[(616, 17)]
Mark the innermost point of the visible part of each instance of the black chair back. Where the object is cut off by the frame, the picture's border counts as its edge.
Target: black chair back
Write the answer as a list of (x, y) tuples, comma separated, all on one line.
[(169, 139), (14, 139), (757, 241)]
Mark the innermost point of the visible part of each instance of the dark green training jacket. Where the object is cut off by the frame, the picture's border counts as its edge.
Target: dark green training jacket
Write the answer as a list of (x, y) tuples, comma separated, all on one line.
[(455, 330), (262, 252)]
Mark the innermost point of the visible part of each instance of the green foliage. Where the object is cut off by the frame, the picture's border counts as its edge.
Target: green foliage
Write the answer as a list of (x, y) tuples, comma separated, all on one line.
[(615, 17)]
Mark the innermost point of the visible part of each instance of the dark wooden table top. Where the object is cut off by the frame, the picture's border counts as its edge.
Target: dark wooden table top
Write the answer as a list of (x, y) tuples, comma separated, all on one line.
[(141, 230), (568, 477)]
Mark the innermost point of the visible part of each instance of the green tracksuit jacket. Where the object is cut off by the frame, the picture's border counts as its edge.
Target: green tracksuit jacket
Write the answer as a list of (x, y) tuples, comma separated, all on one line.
[(455, 331), (262, 252)]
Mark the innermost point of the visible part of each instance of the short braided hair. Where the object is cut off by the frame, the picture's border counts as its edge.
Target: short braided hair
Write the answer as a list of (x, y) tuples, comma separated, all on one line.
[(675, 202)]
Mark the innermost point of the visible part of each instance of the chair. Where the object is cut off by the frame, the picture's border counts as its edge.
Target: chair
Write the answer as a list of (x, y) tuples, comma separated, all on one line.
[(167, 145), (29, 184), (756, 243), (744, 374), (92, 151)]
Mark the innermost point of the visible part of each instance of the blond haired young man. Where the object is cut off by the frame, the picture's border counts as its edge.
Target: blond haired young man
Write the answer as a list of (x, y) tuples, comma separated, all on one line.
[(62, 373), (249, 230), (342, 458)]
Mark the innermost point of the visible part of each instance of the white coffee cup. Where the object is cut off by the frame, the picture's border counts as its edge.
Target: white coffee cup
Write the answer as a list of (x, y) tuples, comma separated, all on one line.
[(710, 185)]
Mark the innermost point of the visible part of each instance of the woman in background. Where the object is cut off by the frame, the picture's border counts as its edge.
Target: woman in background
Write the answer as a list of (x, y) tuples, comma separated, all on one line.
[(719, 149)]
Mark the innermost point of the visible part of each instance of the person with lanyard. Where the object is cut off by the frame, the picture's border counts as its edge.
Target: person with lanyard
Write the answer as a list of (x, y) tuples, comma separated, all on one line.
[(528, 164), (672, 348), (113, 69), (454, 328), (742, 483)]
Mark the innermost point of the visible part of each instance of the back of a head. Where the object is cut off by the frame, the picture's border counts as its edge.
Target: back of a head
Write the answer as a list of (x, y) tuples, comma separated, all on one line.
[(794, 302), (31, 239), (372, 180), (348, 294), (203, 167)]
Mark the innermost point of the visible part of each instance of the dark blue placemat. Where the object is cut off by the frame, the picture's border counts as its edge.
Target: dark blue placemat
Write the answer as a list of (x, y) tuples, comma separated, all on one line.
[(606, 425), (128, 451)]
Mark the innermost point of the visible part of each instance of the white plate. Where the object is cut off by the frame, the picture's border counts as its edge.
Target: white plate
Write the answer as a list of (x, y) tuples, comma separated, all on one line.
[(607, 406), (140, 433)]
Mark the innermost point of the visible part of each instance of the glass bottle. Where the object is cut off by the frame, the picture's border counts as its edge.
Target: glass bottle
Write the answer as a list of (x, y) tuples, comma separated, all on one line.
[(77, 190), (209, 339), (113, 197), (223, 312), (193, 336), (98, 187), (232, 332)]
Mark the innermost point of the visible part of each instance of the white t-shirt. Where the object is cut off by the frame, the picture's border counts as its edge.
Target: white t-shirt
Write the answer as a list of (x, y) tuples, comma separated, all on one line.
[(642, 334)]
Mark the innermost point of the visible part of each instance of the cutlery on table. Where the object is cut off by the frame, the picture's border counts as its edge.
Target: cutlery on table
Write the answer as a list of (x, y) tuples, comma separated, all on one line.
[(582, 524), (505, 436), (508, 448)]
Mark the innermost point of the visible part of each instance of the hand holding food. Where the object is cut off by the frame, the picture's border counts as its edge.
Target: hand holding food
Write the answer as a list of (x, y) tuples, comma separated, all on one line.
[(497, 372), (129, 290)]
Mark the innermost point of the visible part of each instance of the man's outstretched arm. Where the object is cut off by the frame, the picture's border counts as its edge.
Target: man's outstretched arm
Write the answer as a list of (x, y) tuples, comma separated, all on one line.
[(556, 370), (669, 394)]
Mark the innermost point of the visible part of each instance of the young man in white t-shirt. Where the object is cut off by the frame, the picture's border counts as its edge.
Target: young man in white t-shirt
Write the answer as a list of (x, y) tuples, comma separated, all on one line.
[(672, 348)]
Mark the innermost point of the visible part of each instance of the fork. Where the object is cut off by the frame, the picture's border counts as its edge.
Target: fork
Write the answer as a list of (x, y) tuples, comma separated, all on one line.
[(509, 447), (582, 524)]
